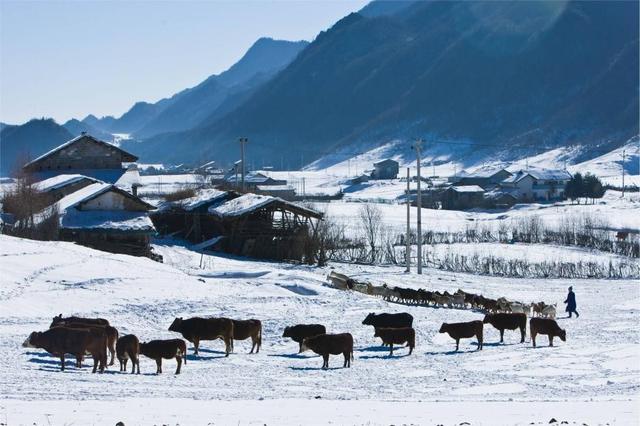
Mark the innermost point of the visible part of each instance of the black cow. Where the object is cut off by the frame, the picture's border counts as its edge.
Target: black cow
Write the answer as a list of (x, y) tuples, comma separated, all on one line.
[(464, 330), (331, 344), (546, 326), (389, 320), (508, 321), (301, 331)]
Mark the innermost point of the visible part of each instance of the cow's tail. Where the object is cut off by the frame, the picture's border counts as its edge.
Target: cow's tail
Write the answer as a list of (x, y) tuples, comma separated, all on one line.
[(260, 337)]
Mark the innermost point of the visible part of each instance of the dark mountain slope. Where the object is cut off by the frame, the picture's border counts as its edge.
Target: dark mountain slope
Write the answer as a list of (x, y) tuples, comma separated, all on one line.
[(19, 144), (519, 74)]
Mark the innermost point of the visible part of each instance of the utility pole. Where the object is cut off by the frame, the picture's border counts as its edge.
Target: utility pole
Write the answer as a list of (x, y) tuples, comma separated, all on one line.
[(623, 158), (407, 239), (418, 147), (242, 142)]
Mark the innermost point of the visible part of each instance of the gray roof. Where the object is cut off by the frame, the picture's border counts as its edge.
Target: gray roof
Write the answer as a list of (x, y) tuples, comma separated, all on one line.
[(483, 172)]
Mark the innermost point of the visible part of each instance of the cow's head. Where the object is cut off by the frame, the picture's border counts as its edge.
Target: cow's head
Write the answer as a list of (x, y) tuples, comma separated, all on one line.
[(563, 335), (287, 332), (486, 320), (176, 325), (369, 319), (30, 342), (443, 327)]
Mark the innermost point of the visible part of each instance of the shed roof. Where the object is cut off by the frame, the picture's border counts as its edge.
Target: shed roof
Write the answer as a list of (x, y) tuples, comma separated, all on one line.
[(109, 221), (249, 203), (467, 188), (483, 172), (60, 181), (385, 161), (202, 197), (127, 157)]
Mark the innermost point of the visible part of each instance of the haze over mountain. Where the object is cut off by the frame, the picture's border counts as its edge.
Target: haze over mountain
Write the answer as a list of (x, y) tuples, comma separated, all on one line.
[(19, 144), (520, 75), (189, 107)]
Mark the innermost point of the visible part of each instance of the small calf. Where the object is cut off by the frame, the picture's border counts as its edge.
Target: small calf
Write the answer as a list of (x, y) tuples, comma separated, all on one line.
[(128, 348), (464, 330), (167, 349), (508, 322), (331, 344), (546, 326), (398, 336), (301, 331)]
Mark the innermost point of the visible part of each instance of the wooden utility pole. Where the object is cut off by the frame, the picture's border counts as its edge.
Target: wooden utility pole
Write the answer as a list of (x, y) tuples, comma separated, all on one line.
[(418, 147), (408, 236), (242, 142)]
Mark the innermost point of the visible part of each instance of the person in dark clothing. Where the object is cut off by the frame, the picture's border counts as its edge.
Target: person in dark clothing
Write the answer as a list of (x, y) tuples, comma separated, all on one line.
[(571, 303)]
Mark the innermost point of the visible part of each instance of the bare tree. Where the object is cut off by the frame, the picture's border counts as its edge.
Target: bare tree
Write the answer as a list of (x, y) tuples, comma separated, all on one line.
[(371, 222)]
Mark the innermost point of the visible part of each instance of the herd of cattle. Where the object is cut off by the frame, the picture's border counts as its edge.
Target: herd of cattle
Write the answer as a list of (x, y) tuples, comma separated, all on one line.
[(95, 336), (460, 299)]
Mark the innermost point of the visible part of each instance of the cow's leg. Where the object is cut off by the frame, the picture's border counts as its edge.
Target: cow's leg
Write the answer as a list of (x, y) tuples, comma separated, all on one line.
[(62, 362), (79, 359), (523, 333), (254, 343), (346, 359), (501, 335), (480, 341), (138, 363), (96, 359), (410, 348), (533, 338), (551, 340), (228, 343), (457, 344), (325, 359), (159, 365), (196, 343), (391, 346), (179, 359), (300, 350)]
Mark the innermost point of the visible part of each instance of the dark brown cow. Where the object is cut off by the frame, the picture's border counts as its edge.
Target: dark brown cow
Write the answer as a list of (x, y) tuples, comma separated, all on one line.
[(331, 344), (59, 341), (243, 329), (197, 329), (301, 331), (111, 332), (128, 348), (398, 336), (464, 330), (508, 321), (546, 326), (57, 321), (167, 349)]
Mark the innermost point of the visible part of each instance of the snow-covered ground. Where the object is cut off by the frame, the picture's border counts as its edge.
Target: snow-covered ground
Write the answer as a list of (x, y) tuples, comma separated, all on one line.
[(594, 377)]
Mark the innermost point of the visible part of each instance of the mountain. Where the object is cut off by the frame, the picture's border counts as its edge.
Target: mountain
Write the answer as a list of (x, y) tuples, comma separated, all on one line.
[(20, 144), (507, 76), (189, 107), (131, 121), (76, 127)]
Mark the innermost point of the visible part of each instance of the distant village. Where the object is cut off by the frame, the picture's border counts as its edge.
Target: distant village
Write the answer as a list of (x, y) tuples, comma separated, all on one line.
[(92, 189)]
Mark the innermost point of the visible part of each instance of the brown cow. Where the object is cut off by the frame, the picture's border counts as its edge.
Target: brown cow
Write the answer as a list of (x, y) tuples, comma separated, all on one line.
[(59, 341), (546, 326), (331, 344), (464, 330), (243, 329), (167, 349), (111, 332), (197, 329), (398, 336), (128, 348), (508, 321)]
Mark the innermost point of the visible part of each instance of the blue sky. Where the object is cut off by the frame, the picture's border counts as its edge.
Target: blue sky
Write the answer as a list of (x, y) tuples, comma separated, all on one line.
[(68, 59)]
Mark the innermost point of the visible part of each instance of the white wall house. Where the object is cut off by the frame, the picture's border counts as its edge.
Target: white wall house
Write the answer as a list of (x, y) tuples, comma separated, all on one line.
[(539, 185)]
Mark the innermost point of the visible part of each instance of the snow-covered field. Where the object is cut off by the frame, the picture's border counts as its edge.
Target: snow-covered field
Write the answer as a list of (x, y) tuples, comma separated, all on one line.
[(594, 377)]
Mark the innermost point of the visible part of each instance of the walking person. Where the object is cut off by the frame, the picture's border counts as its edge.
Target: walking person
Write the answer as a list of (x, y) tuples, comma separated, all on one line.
[(571, 303)]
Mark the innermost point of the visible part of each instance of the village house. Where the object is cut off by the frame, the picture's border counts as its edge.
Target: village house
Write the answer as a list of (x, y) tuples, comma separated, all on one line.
[(462, 197), (105, 217), (485, 177), (385, 169), (82, 155), (60, 186), (538, 184)]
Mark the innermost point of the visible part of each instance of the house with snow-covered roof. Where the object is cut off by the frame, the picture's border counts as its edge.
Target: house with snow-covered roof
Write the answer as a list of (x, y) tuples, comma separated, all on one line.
[(538, 184), (104, 217), (485, 177), (83, 155), (62, 185), (462, 197), (385, 169)]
